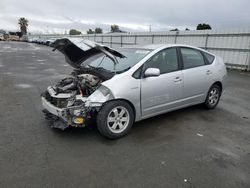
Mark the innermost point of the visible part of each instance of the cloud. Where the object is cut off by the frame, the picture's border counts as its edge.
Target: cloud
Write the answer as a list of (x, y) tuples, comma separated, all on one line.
[(131, 15)]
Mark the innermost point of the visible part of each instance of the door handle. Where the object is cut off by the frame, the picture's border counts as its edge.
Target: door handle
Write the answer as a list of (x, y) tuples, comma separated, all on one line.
[(209, 72), (177, 79)]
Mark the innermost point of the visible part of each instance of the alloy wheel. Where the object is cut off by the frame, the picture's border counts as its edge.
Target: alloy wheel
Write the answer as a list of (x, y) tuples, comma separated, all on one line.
[(213, 96), (118, 119)]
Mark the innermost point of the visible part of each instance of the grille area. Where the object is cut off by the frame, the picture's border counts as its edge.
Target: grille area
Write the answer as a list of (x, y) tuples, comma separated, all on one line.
[(58, 102)]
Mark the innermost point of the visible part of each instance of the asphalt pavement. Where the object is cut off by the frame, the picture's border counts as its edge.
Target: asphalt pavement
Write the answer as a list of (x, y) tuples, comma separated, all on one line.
[(192, 147)]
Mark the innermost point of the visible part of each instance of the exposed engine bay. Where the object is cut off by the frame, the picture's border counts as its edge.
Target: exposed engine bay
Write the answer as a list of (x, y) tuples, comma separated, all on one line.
[(84, 84), (71, 93)]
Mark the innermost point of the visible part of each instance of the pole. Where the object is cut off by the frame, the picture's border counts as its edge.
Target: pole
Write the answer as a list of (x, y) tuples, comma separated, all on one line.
[(206, 42), (248, 68), (176, 34), (121, 41), (111, 41)]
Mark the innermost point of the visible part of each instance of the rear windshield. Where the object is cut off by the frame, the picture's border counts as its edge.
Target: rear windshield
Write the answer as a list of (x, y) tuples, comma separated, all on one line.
[(133, 56)]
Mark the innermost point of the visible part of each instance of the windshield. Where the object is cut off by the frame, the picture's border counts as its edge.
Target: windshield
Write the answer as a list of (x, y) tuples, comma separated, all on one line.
[(133, 56)]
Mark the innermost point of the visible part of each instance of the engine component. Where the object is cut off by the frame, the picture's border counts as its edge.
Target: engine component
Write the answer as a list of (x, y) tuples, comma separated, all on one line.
[(85, 84), (78, 120)]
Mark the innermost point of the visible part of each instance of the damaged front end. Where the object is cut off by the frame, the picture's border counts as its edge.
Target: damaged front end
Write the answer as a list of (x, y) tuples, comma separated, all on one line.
[(75, 100)]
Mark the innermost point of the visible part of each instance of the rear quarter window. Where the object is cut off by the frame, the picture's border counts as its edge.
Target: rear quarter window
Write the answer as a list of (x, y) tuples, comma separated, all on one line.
[(192, 58), (210, 58)]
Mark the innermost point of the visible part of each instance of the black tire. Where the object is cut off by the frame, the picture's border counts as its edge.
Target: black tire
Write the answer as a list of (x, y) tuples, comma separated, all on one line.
[(212, 103), (107, 110)]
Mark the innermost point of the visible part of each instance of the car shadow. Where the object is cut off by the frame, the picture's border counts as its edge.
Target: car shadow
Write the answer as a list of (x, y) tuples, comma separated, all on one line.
[(168, 120), (172, 116)]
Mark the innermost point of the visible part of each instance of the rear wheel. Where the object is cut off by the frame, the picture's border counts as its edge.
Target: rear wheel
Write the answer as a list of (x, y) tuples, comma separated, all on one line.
[(213, 97), (115, 119)]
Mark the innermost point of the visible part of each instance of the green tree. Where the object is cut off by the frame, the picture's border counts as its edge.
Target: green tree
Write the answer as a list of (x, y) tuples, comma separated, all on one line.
[(98, 30), (90, 31), (203, 26), (176, 29), (23, 23), (74, 32), (114, 28)]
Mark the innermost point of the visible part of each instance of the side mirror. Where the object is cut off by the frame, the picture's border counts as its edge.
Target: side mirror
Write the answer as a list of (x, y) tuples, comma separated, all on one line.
[(152, 72)]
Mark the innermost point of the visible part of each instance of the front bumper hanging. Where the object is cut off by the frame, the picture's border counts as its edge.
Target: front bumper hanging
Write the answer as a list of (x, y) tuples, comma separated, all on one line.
[(63, 118)]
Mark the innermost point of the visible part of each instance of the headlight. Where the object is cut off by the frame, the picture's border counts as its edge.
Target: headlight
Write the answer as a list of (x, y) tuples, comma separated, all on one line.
[(105, 91), (101, 95)]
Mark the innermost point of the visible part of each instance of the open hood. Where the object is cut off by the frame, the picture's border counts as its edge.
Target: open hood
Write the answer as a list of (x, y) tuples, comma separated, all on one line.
[(77, 51)]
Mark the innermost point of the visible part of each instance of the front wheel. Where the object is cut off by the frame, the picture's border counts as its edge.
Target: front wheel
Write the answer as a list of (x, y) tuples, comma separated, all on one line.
[(213, 97), (115, 119)]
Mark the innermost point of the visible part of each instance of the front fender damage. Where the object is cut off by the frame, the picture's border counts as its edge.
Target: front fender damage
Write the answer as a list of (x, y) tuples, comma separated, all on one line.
[(100, 96)]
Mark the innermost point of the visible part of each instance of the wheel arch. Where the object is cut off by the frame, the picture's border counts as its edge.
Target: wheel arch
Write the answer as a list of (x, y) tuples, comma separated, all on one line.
[(219, 84), (125, 100)]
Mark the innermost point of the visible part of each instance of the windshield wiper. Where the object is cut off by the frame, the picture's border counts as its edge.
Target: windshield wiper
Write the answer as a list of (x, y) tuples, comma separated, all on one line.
[(116, 72), (91, 66), (124, 70), (98, 68)]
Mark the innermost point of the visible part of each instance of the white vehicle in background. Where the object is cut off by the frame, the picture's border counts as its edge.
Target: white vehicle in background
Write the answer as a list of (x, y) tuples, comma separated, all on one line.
[(119, 87)]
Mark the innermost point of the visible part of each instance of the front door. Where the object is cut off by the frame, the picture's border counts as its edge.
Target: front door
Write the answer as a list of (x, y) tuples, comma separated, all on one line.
[(161, 93)]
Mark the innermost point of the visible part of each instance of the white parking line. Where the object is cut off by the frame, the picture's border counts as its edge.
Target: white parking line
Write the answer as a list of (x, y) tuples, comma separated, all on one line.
[(24, 86), (198, 134)]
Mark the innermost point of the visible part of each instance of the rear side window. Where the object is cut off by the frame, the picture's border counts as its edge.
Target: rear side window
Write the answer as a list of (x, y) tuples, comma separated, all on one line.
[(191, 58), (209, 57)]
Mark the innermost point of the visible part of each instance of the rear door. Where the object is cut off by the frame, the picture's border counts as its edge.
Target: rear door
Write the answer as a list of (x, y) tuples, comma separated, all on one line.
[(197, 75), (159, 94)]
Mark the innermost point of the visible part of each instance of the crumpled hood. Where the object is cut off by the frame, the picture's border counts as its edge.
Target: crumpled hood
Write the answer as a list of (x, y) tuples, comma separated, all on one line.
[(77, 51)]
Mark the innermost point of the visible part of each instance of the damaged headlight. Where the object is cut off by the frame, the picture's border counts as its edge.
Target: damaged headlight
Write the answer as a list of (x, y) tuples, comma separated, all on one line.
[(78, 112), (101, 95), (104, 90)]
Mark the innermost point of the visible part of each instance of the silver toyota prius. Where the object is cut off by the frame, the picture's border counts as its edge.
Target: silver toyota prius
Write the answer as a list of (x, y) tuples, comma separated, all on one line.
[(116, 87)]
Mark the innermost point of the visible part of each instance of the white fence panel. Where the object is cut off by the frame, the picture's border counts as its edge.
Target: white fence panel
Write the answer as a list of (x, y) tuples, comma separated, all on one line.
[(198, 41), (128, 40), (143, 39), (232, 45), (161, 39)]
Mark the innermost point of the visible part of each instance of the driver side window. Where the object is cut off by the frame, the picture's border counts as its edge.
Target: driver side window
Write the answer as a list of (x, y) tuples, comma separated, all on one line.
[(165, 60)]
